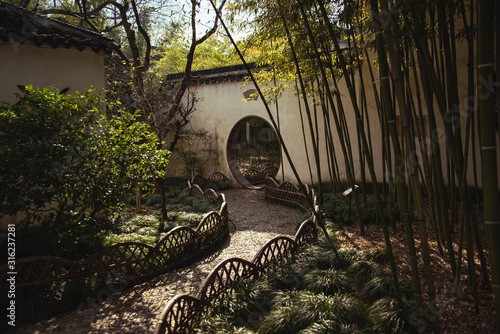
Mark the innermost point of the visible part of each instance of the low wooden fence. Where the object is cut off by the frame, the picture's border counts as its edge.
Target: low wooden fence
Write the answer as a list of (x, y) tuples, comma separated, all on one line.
[(287, 193), (259, 176), (209, 194), (133, 260), (216, 181), (183, 312)]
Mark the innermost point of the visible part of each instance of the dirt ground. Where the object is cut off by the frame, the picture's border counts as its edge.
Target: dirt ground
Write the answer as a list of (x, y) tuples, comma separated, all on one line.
[(456, 312)]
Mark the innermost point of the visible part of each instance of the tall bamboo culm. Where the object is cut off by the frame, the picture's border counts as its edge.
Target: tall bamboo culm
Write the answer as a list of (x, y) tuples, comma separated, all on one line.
[(417, 83), (485, 67)]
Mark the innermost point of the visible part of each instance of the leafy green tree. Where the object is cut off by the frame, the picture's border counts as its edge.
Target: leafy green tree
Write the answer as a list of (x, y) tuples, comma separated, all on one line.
[(211, 54), (63, 161)]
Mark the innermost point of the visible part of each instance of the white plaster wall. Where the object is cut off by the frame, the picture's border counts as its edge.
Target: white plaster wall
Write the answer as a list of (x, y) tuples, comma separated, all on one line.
[(42, 67), (222, 106), (45, 66)]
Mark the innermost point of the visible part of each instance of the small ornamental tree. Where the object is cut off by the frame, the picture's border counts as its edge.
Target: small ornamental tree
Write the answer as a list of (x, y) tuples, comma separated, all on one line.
[(64, 163)]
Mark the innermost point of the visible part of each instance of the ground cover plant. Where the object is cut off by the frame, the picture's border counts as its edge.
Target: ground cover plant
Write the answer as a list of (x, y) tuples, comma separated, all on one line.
[(125, 225), (148, 227), (317, 292), (339, 209), (121, 226)]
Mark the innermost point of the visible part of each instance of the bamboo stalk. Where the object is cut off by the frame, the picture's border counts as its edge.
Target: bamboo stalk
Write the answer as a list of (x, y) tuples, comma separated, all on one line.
[(437, 172), (395, 60), (369, 158), (488, 142), (420, 130), (342, 134), (319, 217), (304, 134), (306, 104)]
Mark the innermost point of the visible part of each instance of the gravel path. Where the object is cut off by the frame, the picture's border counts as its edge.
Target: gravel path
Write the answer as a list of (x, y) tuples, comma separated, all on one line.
[(137, 310)]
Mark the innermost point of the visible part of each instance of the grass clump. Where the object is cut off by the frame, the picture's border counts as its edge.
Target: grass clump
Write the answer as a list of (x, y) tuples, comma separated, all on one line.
[(338, 210), (185, 202), (317, 292), (112, 238), (296, 311), (391, 317), (130, 227), (328, 281)]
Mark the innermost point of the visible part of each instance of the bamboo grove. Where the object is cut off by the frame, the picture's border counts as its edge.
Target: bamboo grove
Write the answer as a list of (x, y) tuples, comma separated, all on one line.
[(395, 65)]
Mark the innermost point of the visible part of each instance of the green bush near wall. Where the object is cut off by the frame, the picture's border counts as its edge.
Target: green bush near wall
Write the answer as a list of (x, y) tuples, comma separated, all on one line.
[(64, 162)]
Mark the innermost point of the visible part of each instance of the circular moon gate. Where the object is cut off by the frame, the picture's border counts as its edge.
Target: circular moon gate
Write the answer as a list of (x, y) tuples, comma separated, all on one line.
[(253, 150)]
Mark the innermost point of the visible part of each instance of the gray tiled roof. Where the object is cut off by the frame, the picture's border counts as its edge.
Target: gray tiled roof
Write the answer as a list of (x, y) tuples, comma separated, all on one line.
[(219, 74), (24, 26)]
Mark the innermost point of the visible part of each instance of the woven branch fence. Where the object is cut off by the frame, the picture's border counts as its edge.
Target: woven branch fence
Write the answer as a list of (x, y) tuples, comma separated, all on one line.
[(183, 312), (209, 194), (133, 260), (287, 193), (216, 181), (259, 176)]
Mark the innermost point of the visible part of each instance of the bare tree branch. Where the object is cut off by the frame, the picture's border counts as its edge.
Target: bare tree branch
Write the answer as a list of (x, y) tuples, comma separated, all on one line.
[(82, 12), (144, 34), (109, 29), (174, 108)]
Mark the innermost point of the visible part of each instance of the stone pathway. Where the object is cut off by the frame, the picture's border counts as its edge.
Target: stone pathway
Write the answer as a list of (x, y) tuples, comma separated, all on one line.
[(138, 309)]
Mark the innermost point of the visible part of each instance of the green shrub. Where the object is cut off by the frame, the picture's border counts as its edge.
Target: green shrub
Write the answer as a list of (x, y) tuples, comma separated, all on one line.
[(347, 257), (391, 317), (315, 257), (285, 278), (332, 326), (378, 287), (78, 162), (362, 271), (378, 255), (222, 325), (337, 210)]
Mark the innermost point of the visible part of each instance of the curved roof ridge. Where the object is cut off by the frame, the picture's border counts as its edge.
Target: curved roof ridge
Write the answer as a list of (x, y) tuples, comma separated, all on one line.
[(224, 73), (24, 26)]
